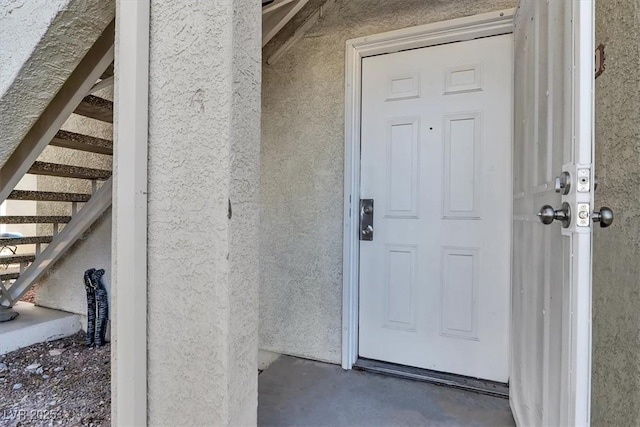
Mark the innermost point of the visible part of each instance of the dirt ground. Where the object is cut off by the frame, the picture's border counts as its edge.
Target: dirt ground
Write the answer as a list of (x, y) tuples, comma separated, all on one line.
[(62, 382), (30, 296)]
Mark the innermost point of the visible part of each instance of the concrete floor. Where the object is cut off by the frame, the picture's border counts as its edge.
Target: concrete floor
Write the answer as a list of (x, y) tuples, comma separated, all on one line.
[(35, 325), (297, 392)]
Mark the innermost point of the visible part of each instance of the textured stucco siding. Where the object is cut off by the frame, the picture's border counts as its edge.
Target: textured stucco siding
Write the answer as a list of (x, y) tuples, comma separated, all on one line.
[(15, 16), (62, 288), (203, 180), (302, 168), (41, 42), (616, 256)]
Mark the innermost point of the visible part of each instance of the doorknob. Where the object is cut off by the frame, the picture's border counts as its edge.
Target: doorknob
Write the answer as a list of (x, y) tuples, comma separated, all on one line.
[(604, 217), (547, 215)]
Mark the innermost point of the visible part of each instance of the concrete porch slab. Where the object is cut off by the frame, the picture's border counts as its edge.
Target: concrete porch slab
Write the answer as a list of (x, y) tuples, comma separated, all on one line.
[(297, 392), (35, 325)]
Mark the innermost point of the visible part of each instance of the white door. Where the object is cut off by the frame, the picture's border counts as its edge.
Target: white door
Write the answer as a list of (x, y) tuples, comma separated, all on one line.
[(436, 160), (551, 349)]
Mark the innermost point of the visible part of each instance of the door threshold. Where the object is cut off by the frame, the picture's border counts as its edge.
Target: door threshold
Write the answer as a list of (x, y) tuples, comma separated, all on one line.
[(476, 385)]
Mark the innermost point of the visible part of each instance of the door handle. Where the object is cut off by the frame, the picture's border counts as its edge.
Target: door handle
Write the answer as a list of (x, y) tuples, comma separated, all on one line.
[(604, 217), (366, 219), (547, 215)]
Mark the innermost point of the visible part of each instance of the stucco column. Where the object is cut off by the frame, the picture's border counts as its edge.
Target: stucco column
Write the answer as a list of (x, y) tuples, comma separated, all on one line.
[(615, 387), (203, 175)]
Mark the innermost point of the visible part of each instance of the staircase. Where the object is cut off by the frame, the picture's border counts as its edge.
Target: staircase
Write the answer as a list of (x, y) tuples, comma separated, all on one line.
[(20, 270)]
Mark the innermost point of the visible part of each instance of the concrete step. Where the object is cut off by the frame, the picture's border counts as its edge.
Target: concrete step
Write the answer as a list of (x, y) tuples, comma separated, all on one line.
[(96, 108), (81, 142), (48, 196), (35, 325), (34, 219), (16, 259), (30, 240), (66, 171), (10, 274)]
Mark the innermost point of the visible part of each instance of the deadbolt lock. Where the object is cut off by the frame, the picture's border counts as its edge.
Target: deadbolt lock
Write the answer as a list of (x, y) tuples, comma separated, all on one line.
[(563, 183), (366, 219)]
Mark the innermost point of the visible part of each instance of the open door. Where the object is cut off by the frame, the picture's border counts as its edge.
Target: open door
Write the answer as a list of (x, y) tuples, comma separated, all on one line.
[(553, 213)]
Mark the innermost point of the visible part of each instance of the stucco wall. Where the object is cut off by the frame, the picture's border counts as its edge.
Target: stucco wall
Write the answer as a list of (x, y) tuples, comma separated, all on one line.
[(41, 42), (203, 180), (302, 168), (15, 15), (616, 270), (63, 286)]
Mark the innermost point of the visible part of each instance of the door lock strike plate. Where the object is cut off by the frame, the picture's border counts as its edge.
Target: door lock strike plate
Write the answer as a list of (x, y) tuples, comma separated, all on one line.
[(584, 216), (584, 181)]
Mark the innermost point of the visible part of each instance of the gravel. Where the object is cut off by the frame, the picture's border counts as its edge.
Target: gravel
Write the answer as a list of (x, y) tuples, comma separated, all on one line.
[(57, 383)]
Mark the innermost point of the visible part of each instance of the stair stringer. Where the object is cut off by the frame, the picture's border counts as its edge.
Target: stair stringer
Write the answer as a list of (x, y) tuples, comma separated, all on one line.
[(37, 62), (61, 243), (73, 91)]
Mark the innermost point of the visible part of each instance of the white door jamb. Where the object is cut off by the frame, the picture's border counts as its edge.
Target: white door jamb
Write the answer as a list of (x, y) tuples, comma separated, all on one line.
[(456, 30), (129, 351)]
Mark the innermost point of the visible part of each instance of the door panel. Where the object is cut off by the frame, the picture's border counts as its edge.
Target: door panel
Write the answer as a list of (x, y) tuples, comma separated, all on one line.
[(551, 305), (436, 159)]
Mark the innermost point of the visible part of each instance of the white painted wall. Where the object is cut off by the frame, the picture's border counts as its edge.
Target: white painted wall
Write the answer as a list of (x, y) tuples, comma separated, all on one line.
[(302, 168)]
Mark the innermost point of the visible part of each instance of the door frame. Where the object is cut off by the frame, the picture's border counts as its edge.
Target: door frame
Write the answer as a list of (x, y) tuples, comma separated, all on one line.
[(129, 235), (437, 33)]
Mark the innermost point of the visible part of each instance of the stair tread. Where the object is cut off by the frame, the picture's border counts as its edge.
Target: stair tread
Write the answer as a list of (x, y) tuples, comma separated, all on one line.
[(96, 108), (67, 171), (9, 274), (34, 219), (82, 142), (15, 259), (29, 240), (48, 196)]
